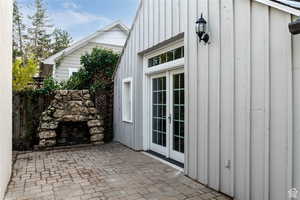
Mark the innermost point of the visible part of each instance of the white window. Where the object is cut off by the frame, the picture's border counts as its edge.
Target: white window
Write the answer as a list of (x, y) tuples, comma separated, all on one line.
[(127, 100), (73, 71)]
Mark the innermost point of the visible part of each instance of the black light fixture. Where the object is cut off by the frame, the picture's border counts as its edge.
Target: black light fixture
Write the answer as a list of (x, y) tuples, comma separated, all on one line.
[(295, 27), (201, 29)]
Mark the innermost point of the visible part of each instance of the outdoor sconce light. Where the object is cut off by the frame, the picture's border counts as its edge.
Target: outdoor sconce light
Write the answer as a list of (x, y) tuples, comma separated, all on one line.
[(295, 27), (201, 28)]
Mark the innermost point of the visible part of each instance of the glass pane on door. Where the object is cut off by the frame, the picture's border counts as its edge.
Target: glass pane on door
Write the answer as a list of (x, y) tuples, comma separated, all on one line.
[(178, 113), (159, 111)]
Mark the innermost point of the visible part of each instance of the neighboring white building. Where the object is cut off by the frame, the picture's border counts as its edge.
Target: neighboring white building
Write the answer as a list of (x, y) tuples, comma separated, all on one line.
[(63, 64), (5, 94), (228, 110)]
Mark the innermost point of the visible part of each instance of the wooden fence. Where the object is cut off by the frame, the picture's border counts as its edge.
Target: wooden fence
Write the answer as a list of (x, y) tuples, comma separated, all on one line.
[(28, 107), (104, 104)]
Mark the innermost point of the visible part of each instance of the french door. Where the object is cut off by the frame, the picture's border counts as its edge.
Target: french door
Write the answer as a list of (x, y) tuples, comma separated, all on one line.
[(167, 114)]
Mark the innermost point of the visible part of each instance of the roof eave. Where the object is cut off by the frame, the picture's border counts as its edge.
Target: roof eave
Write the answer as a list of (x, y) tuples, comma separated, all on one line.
[(270, 3), (280, 6), (82, 42)]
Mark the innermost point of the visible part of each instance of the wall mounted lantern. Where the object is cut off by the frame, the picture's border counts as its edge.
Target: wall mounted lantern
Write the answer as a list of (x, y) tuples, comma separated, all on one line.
[(201, 30), (295, 27)]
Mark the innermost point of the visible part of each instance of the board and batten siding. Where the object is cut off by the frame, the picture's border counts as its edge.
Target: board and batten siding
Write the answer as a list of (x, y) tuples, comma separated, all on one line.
[(296, 109), (155, 22), (73, 60), (242, 95)]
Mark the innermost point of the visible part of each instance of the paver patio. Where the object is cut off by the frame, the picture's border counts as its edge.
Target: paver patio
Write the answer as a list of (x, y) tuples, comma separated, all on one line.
[(107, 172)]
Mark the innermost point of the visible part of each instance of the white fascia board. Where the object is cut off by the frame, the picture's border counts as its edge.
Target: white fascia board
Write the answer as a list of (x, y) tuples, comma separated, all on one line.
[(114, 24), (84, 41), (292, 3), (73, 47), (280, 6)]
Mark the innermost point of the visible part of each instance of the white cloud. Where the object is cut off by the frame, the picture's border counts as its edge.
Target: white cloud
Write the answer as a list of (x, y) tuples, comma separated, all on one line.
[(70, 5), (68, 18)]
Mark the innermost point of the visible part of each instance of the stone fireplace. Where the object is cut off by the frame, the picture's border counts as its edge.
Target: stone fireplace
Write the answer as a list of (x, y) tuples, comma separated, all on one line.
[(72, 133), (70, 119)]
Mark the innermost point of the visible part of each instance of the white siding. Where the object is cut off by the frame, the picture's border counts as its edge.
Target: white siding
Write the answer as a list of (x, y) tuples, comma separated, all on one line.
[(113, 37), (242, 118), (147, 31), (243, 93), (296, 77), (73, 60), (260, 77), (5, 94), (214, 97), (280, 67), (227, 95)]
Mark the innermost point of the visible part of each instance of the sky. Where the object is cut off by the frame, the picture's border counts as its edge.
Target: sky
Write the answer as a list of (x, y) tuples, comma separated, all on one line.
[(83, 17)]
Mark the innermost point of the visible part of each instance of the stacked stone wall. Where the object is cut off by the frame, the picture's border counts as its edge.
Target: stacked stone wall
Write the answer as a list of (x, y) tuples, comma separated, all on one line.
[(70, 106)]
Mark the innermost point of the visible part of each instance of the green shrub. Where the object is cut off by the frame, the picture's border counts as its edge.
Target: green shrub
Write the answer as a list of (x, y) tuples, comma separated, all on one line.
[(100, 60), (49, 85), (97, 71), (79, 80)]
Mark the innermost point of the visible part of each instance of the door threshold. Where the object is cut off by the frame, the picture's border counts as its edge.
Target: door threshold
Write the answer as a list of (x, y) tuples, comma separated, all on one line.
[(164, 159)]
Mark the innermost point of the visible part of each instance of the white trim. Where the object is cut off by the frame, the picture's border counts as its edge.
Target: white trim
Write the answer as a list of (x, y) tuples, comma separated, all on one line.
[(106, 45), (157, 148), (147, 83), (53, 70), (279, 6), (124, 115), (168, 149), (84, 41), (165, 67), (171, 46), (292, 3), (164, 162), (149, 73), (174, 154), (146, 111), (72, 70)]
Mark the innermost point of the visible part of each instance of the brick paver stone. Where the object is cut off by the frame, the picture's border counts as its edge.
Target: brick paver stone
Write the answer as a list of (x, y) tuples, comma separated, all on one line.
[(106, 172)]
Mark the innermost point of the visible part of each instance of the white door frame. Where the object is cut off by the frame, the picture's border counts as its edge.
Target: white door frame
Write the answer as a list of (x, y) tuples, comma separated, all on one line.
[(147, 73), (168, 150), (172, 153), (157, 148)]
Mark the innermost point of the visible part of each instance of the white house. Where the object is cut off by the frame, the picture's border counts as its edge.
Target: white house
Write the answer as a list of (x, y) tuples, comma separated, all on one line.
[(5, 94), (63, 64), (228, 110)]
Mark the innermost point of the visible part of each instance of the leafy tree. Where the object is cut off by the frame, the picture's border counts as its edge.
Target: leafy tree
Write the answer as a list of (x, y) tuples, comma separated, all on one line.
[(97, 70), (18, 32), (62, 40), (38, 33), (38, 39), (23, 73)]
